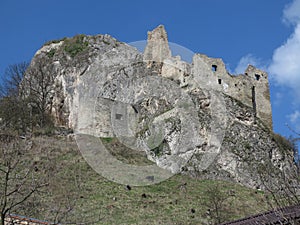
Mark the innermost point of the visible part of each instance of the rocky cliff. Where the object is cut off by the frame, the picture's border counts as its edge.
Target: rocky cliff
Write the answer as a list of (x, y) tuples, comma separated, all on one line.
[(194, 118)]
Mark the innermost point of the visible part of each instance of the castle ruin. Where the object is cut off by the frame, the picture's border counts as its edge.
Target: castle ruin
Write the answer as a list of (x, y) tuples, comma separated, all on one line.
[(172, 116), (250, 88)]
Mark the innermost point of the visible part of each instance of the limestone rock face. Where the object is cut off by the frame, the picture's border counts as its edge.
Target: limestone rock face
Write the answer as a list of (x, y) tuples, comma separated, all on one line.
[(194, 118)]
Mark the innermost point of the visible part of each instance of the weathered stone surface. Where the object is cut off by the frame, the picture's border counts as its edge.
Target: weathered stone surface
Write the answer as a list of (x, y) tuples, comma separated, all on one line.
[(249, 151), (193, 118), (157, 49)]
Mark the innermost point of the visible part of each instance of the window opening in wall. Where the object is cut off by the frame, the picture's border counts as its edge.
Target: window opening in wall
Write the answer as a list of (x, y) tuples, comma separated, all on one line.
[(119, 116), (219, 81), (214, 68), (257, 76)]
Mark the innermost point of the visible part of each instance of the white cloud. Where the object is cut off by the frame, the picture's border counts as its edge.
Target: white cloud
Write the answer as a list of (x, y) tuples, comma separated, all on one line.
[(245, 61), (295, 120), (294, 116), (285, 65), (291, 13)]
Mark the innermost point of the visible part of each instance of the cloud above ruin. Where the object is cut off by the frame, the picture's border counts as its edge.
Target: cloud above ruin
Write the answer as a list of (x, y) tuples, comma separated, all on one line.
[(285, 65), (245, 61)]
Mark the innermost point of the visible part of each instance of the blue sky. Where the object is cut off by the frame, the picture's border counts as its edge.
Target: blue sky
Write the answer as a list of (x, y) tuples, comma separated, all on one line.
[(265, 33)]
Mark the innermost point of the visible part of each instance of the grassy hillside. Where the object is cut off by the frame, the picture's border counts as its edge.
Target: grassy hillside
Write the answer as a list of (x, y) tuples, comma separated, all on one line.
[(78, 195)]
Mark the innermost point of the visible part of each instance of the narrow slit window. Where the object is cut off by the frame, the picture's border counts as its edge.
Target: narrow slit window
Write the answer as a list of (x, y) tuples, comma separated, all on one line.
[(219, 81), (254, 103), (135, 109), (214, 68)]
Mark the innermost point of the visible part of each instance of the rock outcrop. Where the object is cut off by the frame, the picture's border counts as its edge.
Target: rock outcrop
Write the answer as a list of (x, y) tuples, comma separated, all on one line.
[(194, 118)]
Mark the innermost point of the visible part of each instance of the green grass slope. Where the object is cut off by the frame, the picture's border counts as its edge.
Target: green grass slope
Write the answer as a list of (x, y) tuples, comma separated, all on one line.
[(78, 195)]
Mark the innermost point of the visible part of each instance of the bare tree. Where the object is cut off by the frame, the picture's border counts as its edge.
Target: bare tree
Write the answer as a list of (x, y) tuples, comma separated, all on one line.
[(14, 111), (26, 94), (294, 140), (216, 201), (282, 182), (38, 86), (17, 179), (12, 79)]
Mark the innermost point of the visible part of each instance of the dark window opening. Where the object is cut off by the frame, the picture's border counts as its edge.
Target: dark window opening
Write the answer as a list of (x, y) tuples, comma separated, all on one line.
[(257, 76), (214, 68), (219, 81), (119, 116), (235, 85)]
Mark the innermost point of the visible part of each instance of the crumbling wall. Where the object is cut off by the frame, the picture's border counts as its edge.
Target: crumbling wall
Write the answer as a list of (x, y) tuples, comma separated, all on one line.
[(240, 86), (213, 75)]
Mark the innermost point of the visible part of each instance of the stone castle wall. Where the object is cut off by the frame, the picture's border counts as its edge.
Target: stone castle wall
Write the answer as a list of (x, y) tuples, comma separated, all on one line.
[(250, 88)]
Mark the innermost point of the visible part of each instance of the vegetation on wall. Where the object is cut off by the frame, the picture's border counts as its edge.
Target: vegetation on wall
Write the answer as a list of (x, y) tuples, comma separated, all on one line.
[(54, 41), (75, 45)]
